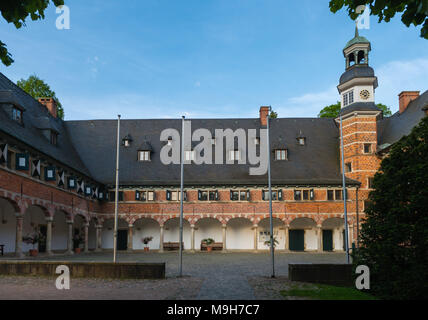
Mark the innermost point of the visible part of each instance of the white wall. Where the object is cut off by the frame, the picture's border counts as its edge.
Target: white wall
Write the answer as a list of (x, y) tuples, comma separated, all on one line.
[(7, 230), (338, 240), (239, 235), (172, 231), (207, 228), (311, 239), (107, 232), (59, 232), (146, 228), (278, 233)]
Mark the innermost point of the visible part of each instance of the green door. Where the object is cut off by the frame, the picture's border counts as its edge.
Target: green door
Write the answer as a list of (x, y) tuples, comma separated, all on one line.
[(122, 239), (327, 240), (297, 240)]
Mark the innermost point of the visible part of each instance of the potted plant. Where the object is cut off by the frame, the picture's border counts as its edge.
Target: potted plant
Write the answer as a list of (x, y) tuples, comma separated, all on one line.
[(208, 242), (77, 240), (275, 242), (32, 238), (146, 241)]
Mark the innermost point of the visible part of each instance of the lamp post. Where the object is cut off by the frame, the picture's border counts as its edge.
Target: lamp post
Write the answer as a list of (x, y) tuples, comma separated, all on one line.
[(344, 192), (180, 271), (116, 194), (272, 252)]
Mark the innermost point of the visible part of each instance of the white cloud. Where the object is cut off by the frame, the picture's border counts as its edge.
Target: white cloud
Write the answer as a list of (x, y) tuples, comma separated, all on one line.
[(397, 76), (393, 77)]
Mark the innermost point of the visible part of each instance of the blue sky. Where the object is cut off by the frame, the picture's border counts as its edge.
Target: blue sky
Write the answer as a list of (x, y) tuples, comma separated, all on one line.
[(206, 58)]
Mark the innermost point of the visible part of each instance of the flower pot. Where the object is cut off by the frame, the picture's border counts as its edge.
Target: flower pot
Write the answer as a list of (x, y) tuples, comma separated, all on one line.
[(209, 248), (146, 248), (77, 250), (33, 252)]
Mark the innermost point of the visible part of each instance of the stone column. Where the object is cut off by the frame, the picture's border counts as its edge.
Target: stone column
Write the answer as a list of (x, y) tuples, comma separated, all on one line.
[(255, 228), (319, 232), (98, 238), (192, 238), (86, 237), (287, 238), (224, 227), (18, 240), (161, 239), (70, 238), (49, 221), (130, 237)]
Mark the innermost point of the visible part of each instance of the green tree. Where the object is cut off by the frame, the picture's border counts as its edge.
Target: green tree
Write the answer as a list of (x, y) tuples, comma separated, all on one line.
[(332, 111), (16, 11), (394, 235), (37, 88), (414, 11), (273, 115)]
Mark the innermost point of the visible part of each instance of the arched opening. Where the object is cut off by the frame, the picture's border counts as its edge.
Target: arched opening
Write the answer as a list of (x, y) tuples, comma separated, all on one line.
[(240, 235), (332, 237), (79, 232), (59, 231), (302, 235), (146, 227), (92, 234), (351, 59), (7, 226), (34, 223), (172, 232), (207, 228), (361, 58), (264, 233), (108, 234)]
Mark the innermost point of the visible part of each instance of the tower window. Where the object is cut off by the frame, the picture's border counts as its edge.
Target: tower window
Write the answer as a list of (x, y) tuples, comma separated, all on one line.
[(17, 115), (348, 98), (348, 167), (367, 148)]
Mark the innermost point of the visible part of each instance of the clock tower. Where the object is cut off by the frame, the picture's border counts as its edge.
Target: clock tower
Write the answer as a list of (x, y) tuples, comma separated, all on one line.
[(358, 83), (360, 116)]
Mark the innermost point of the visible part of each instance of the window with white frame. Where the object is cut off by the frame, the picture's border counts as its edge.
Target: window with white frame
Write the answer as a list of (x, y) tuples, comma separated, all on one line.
[(234, 155), (348, 98), (281, 154), (143, 155), (189, 155)]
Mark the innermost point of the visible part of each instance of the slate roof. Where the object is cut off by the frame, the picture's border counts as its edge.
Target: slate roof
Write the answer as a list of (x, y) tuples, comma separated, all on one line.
[(315, 163), (398, 125), (35, 118), (359, 106), (357, 71)]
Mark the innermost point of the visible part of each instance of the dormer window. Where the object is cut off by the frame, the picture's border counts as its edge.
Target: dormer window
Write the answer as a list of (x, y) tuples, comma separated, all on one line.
[(22, 160), (281, 154), (126, 141), (189, 155), (301, 141), (88, 190), (234, 155), (143, 155), (50, 174), (71, 183), (17, 115)]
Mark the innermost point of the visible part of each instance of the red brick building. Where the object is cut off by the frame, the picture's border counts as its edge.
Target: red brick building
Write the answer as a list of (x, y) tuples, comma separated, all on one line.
[(56, 176)]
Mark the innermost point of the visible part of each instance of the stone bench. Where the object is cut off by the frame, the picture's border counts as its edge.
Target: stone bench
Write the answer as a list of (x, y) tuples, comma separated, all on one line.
[(331, 274), (172, 246)]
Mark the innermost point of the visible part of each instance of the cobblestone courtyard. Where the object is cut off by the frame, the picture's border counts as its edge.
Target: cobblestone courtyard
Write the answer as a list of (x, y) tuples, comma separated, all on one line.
[(237, 275)]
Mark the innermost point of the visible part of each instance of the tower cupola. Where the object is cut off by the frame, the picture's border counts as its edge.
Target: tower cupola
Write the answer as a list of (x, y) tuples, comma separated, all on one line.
[(358, 83)]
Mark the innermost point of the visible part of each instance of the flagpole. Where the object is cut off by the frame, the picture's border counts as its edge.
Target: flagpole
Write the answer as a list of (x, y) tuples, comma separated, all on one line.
[(270, 198), (180, 272), (116, 193), (344, 192)]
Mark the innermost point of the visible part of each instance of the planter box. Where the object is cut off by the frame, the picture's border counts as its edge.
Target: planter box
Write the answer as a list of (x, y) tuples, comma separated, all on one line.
[(332, 274), (126, 270)]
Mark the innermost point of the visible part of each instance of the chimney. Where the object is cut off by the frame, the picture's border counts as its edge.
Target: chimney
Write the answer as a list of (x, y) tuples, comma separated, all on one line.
[(405, 98), (264, 111)]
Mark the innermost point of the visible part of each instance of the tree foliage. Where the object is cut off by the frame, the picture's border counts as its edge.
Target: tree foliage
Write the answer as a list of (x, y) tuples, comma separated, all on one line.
[(394, 235), (37, 88), (16, 12), (273, 115), (414, 11), (332, 111)]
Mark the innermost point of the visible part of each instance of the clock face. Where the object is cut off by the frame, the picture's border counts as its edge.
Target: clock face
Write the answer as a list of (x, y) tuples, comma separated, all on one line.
[(364, 94)]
